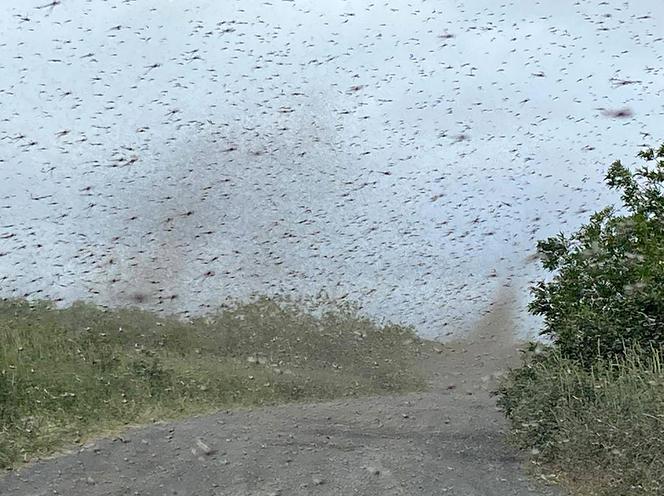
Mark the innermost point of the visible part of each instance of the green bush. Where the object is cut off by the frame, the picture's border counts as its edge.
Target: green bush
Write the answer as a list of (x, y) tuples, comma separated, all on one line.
[(590, 406), (608, 291), (601, 427)]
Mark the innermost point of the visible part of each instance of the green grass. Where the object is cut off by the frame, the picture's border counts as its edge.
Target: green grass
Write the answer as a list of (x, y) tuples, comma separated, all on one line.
[(599, 430), (73, 373)]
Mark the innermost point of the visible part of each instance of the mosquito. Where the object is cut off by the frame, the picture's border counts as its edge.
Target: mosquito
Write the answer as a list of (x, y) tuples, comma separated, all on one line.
[(51, 5)]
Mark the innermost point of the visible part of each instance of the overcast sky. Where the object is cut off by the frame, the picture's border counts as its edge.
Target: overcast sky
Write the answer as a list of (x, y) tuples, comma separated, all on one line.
[(404, 154)]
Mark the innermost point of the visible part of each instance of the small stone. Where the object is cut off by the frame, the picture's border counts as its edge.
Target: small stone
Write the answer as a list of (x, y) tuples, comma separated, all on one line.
[(317, 481)]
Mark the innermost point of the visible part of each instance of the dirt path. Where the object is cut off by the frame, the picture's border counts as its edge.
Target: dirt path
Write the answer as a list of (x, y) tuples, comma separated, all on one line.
[(446, 441)]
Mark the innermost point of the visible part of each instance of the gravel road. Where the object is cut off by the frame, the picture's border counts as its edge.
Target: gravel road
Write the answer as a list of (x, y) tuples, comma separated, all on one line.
[(448, 440)]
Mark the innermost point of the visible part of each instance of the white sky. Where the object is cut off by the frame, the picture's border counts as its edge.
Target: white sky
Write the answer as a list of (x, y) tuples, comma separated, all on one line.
[(117, 118)]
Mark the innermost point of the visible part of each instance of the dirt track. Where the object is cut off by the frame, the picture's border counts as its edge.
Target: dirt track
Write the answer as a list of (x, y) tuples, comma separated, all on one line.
[(448, 441)]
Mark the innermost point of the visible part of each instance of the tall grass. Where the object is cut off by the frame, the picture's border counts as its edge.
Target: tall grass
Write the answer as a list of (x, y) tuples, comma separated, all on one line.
[(67, 374), (601, 428)]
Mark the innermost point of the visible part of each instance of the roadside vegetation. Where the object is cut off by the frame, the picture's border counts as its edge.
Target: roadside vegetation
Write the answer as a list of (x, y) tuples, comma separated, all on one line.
[(72, 373), (589, 406)]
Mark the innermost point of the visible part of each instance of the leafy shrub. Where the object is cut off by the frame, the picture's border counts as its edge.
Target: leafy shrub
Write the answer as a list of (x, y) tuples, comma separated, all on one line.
[(590, 406), (602, 427), (608, 293)]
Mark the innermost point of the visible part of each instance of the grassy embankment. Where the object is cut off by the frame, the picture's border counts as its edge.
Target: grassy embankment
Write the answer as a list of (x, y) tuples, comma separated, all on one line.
[(69, 374), (599, 431), (590, 407)]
